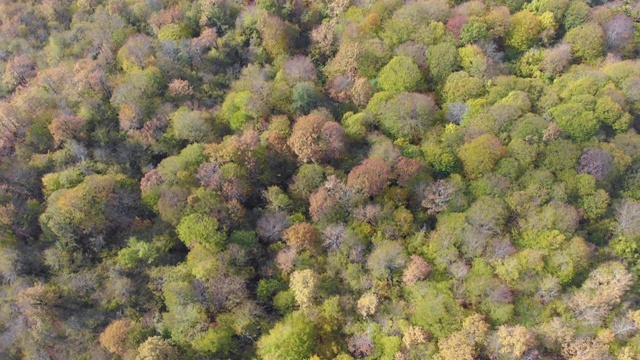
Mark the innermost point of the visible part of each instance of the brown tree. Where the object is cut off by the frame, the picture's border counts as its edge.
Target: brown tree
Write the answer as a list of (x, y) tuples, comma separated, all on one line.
[(180, 88), (417, 269), (66, 126), (317, 138), (301, 236), (370, 176), (114, 337), (596, 162)]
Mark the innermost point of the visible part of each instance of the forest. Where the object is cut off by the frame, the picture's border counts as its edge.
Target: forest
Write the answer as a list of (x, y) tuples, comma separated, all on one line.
[(319, 179)]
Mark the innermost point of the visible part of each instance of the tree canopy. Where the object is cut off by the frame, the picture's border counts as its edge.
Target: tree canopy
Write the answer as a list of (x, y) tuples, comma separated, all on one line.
[(327, 179)]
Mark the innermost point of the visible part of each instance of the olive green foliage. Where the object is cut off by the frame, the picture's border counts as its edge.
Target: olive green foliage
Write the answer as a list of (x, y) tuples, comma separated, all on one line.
[(480, 155)]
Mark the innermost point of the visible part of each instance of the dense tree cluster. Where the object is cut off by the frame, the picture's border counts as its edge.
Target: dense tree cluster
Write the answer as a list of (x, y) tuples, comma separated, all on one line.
[(326, 179)]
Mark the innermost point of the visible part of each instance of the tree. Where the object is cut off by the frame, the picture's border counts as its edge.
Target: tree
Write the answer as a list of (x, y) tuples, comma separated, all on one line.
[(524, 32), (367, 304), (434, 308), (596, 162), (586, 349), (400, 74), (277, 35), (556, 59), (418, 269), (464, 344), (18, 71), (235, 109), (308, 178), (406, 115), (473, 60), (409, 21), (370, 177), (292, 338), (304, 284), (578, 123), (413, 336), (602, 290), (480, 155), (515, 341), (443, 59), (301, 236), (298, 69), (611, 113), (619, 34), (474, 30), (197, 228), (67, 127), (333, 236), (316, 138), (304, 97), (157, 348), (461, 87), (455, 24), (271, 226), (82, 215), (386, 258), (190, 125), (140, 87), (134, 53), (628, 219), (587, 41), (114, 337), (360, 345), (577, 14), (438, 195), (180, 89)]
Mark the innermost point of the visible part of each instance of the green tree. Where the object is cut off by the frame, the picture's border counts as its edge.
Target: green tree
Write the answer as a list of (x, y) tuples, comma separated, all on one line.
[(443, 59), (434, 308), (400, 74), (461, 87), (473, 31), (576, 15), (234, 109), (292, 338), (579, 124), (304, 97), (201, 229), (387, 258), (587, 42)]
